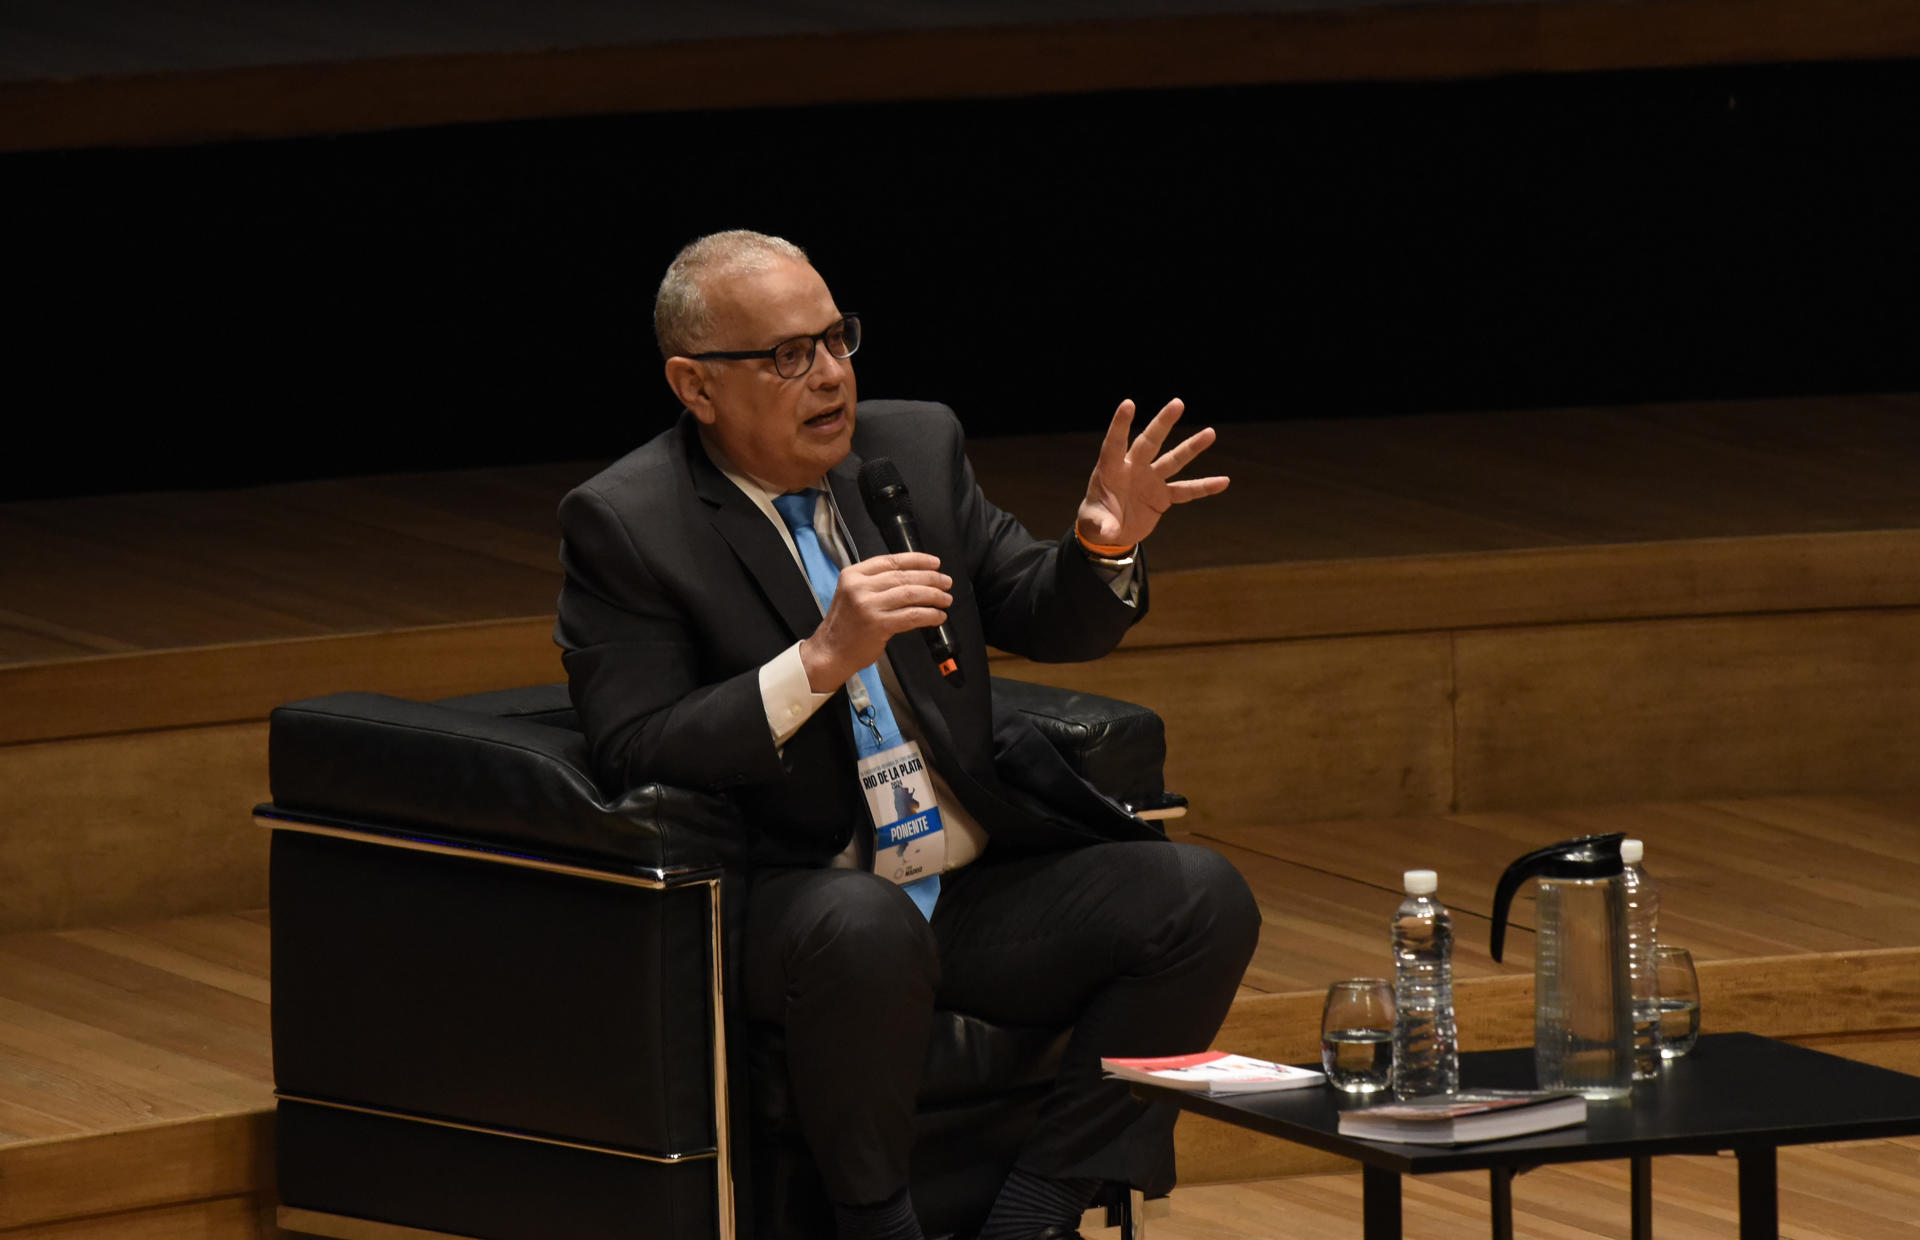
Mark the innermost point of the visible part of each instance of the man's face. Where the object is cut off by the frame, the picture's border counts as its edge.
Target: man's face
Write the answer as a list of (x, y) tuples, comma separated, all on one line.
[(782, 431)]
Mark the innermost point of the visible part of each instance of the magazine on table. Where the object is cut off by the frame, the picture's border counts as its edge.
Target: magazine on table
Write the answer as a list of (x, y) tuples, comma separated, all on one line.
[(1213, 1072), (1470, 1115)]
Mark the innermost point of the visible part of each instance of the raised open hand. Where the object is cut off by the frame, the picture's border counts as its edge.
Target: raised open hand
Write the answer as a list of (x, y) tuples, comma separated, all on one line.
[(1131, 484)]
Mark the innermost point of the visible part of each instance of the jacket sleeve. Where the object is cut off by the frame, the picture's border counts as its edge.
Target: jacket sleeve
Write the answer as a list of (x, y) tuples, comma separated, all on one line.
[(1041, 599), (634, 664)]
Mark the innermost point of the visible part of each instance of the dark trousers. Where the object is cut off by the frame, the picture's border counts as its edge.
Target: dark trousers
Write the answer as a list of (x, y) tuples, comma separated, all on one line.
[(1139, 946)]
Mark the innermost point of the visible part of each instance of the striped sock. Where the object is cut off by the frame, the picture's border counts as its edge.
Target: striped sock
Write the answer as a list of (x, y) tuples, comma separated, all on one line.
[(1029, 1204), (892, 1219)]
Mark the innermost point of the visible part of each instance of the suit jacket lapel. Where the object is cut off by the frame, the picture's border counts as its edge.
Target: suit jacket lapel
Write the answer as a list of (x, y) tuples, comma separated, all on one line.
[(753, 539), (844, 481)]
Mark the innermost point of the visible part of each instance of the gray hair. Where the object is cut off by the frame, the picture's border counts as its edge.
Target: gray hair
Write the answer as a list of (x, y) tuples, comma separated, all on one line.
[(682, 318)]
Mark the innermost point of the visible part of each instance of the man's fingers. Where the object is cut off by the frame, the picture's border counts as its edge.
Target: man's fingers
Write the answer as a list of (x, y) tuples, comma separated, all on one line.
[(1197, 488), (888, 578), (890, 590), (1147, 446), (1113, 446), (897, 561), (1182, 455), (922, 614), (916, 595)]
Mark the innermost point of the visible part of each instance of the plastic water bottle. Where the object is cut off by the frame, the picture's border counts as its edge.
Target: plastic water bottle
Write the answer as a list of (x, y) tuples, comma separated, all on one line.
[(1643, 917), (1426, 1049)]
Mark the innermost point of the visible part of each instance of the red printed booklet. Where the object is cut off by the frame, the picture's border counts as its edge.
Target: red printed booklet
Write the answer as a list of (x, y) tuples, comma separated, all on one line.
[(1478, 1115), (1213, 1072)]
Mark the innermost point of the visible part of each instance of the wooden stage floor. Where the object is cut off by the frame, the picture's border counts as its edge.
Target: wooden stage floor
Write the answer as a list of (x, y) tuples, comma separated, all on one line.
[(121, 574)]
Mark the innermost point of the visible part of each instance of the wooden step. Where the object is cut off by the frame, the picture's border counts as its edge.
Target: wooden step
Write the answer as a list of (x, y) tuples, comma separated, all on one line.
[(1381, 618), (148, 760), (135, 1081)]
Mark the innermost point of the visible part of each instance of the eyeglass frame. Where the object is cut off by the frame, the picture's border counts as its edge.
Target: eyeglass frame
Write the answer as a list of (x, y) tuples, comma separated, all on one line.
[(813, 339)]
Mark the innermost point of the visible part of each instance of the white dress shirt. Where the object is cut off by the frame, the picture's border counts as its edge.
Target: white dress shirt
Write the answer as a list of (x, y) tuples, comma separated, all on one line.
[(788, 696)]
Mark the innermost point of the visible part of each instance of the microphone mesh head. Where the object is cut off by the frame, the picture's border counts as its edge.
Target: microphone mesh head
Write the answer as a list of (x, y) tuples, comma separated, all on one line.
[(883, 489)]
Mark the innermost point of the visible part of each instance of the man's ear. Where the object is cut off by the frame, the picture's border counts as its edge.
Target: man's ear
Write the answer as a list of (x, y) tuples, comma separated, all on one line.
[(688, 379)]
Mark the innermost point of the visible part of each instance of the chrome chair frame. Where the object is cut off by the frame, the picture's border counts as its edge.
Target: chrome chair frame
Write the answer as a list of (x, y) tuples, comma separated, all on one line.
[(347, 1227)]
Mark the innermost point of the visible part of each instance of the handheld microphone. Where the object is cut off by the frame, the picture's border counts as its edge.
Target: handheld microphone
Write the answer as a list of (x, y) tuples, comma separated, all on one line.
[(885, 493)]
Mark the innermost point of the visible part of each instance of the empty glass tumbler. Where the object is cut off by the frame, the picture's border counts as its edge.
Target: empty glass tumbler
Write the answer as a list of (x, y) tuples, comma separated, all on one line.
[(1356, 1034)]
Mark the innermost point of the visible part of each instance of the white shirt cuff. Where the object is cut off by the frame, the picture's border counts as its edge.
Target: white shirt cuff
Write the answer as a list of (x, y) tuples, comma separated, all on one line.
[(1121, 582), (787, 695)]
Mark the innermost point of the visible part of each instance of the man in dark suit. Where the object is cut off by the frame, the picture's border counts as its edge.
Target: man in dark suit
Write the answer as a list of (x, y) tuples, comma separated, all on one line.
[(727, 605)]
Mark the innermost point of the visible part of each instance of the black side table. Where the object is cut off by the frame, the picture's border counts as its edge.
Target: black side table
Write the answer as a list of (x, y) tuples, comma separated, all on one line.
[(1736, 1091)]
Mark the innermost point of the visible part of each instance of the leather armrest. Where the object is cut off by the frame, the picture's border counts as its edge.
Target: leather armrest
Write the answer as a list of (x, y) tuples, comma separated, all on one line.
[(549, 704), (1118, 747), (392, 764)]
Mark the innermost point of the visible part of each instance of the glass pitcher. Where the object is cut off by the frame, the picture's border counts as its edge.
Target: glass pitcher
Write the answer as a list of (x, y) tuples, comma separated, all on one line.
[(1582, 998)]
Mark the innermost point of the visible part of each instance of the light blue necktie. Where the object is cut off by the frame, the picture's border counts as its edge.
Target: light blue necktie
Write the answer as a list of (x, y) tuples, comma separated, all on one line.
[(876, 730)]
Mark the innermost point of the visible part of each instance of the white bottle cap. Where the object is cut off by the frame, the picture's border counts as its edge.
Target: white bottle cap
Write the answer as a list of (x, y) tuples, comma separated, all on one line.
[(1631, 851), (1422, 882)]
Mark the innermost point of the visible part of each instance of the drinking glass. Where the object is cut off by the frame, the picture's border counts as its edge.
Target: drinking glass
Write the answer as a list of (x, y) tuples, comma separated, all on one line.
[(1679, 1000), (1356, 1034)]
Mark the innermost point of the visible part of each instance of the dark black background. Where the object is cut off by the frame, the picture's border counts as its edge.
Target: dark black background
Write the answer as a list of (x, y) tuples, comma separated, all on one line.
[(241, 313)]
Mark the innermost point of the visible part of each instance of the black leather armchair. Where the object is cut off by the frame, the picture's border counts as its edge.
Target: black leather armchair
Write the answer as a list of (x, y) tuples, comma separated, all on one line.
[(500, 997)]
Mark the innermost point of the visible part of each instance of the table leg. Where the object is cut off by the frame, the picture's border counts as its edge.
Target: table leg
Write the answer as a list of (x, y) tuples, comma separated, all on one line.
[(1759, 1193), (1642, 1197), (1500, 1198), (1380, 1203)]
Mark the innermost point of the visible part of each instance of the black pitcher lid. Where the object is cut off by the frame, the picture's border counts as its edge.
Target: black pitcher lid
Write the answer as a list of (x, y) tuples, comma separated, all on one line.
[(1589, 857)]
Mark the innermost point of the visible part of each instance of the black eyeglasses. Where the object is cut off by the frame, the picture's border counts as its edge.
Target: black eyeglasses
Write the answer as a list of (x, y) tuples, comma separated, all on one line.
[(793, 358)]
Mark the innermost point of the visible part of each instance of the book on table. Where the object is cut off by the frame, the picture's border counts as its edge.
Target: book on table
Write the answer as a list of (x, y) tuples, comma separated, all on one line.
[(1213, 1072), (1470, 1115)]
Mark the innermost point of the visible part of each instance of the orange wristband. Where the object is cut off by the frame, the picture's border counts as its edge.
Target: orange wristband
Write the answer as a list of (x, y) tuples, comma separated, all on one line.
[(1111, 553)]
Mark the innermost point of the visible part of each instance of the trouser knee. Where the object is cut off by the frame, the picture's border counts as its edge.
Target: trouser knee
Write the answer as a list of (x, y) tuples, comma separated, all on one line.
[(1224, 915), (859, 934)]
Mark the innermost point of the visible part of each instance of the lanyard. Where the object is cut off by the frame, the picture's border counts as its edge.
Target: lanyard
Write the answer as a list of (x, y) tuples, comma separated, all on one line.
[(856, 685)]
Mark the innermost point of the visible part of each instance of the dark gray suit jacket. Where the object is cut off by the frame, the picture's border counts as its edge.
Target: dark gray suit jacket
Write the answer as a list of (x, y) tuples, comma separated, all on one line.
[(678, 589)]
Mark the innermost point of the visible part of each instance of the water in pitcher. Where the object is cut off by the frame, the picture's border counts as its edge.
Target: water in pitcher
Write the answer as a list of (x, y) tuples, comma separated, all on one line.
[(1582, 1030)]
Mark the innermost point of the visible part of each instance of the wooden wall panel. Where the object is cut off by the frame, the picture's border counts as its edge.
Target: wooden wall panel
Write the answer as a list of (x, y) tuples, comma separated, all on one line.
[(1282, 731), (1897, 1051), (121, 828), (1589, 714), (1533, 585), (1261, 733), (1833, 995), (228, 683)]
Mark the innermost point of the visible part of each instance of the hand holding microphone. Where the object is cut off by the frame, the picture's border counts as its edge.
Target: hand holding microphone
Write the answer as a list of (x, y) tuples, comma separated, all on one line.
[(885, 493), (881, 596)]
